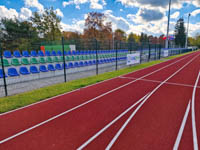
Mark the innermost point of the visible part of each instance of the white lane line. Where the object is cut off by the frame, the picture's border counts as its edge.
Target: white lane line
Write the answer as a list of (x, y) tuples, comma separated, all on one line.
[(178, 139), (132, 115), (1, 114), (194, 131), (74, 108), (108, 125), (51, 98), (178, 84)]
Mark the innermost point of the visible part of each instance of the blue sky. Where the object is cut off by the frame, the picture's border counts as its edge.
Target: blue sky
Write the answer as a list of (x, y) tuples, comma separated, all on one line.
[(148, 16)]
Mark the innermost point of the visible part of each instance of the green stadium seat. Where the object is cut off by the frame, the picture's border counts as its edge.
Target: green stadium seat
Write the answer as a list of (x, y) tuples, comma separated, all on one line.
[(34, 61), (15, 62), (81, 57), (49, 60), (90, 57), (73, 58), (25, 61), (5, 63), (67, 58), (86, 57), (42, 60), (76, 58), (93, 56), (61, 59), (56, 59)]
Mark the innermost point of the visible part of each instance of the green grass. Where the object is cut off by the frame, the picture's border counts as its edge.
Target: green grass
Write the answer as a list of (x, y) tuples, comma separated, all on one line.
[(23, 99)]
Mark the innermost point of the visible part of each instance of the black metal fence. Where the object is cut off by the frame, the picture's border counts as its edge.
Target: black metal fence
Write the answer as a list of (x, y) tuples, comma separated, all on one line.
[(60, 61)]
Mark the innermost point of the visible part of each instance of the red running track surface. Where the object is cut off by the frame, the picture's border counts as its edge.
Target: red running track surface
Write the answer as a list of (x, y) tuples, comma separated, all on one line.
[(155, 125)]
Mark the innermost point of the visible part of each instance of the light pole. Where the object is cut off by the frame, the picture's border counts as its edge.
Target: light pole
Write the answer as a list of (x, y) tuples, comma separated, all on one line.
[(166, 42), (186, 39)]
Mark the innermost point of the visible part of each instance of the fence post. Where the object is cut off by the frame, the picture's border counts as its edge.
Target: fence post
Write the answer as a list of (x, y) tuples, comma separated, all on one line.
[(155, 52), (116, 56), (63, 51), (3, 70), (159, 51), (141, 53), (97, 67), (149, 52)]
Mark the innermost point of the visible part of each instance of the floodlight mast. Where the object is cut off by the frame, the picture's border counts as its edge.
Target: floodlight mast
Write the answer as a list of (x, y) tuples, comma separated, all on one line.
[(186, 39), (167, 37)]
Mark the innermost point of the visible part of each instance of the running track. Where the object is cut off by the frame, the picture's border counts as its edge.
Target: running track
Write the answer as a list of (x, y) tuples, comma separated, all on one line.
[(153, 108)]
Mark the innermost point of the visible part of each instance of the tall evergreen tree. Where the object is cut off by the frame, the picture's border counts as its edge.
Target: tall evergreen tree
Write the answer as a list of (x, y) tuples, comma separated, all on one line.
[(131, 38), (179, 32), (17, 34), (47, 24)]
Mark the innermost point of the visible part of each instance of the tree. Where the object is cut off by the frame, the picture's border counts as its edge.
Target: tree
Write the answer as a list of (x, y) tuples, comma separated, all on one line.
[(17, 34), (97, 27), (131, 38), (179, 32), (143, 38), (119, 35), (47, 24)]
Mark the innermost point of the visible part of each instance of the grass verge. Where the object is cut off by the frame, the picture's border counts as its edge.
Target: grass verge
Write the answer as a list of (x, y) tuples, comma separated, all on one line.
[(24, 99)]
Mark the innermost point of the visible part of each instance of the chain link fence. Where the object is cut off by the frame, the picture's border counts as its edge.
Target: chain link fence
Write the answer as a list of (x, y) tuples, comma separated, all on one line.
[(40, 64)]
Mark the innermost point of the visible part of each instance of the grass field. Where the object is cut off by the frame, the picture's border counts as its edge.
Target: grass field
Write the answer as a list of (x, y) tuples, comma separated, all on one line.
[(23, 99)]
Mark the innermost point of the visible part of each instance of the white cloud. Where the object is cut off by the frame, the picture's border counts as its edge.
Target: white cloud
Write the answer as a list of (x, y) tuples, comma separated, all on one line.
[(121, 10), (34, 4), (78, 25), (8, 13), (195, 12), (196, 3), (117, 22), (59, 12), (94, 4), (25, 13), (67, 3), (175, 15), (194, 29)]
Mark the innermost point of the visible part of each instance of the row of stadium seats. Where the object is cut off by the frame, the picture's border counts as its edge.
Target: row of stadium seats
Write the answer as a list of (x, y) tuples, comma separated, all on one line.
[(48, 59), (18, 54), (50, 67)]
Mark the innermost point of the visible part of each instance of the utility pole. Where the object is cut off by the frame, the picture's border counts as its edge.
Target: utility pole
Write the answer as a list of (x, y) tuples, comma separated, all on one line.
[(167, 39), (186, 39)]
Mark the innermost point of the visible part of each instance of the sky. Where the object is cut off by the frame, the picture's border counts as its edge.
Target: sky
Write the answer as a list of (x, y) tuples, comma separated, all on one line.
[(136, 16)]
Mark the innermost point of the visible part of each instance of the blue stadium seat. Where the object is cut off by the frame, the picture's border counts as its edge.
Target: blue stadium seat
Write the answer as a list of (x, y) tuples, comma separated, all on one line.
[(40, 53), (51, 67), (43, 68), (1, 74), (12, 72), (59, 53), (17, 54), (94, 62), (47, 53), (66, 66), (34, 53), (81, 64), (34, 70), (71, 65), (25, 54), (53, 53), (76, 65), (58, 67), (7, 54), (23, 71), (85, 63), (90, 63)]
